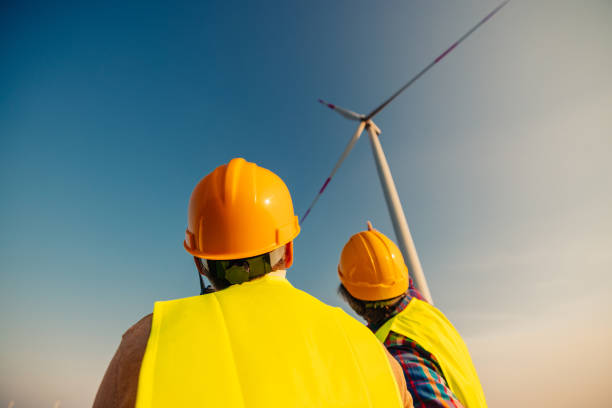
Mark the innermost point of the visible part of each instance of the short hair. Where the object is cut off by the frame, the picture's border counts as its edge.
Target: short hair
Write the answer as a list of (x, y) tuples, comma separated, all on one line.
[(373, 311)]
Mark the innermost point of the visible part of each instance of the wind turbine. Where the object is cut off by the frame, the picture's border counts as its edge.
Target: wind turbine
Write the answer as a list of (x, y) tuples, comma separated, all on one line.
[(398, 219)]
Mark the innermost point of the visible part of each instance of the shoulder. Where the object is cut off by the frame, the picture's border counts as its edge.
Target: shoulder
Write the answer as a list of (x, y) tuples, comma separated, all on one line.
[(134, 341), (120, 382), (407, 351), (131, 351), (140, 328)]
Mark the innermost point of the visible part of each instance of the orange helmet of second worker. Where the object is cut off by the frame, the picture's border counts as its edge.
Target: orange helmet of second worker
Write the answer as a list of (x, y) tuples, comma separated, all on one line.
[(238, 211), (372, 267)]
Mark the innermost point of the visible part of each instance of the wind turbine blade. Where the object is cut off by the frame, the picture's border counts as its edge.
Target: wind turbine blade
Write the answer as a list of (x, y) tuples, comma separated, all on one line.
[(434, 62), (344, 112), (347, 150)]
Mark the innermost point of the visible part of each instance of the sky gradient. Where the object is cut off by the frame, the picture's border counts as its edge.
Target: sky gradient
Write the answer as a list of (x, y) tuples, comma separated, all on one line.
[(111, 113)]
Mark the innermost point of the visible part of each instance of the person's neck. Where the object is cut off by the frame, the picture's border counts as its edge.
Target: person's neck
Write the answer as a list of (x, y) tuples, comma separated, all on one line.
[(391, 310), (281, 273)]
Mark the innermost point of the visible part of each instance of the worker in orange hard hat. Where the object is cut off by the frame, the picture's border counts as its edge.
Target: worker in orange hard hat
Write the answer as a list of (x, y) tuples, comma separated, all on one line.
[(435, 360), (254, 340)]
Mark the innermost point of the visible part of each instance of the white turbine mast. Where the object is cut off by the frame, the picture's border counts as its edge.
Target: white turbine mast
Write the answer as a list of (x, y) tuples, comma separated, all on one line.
[(398, 219)]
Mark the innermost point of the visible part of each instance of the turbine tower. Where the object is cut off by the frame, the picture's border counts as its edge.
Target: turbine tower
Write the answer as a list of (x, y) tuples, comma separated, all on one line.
[(398, 219)]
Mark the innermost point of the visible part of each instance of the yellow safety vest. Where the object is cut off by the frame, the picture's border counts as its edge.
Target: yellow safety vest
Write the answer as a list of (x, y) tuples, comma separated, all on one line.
[(262, 344), (426, 325)]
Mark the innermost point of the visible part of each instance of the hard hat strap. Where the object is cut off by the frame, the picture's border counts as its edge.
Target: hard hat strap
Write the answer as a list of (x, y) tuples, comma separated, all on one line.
[(200, 268)]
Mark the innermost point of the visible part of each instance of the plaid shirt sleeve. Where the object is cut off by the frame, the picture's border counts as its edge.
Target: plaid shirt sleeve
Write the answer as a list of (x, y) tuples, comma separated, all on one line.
[(423, 375)]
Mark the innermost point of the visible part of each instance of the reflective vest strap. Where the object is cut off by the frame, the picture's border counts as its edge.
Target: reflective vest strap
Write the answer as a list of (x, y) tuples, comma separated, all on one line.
[(427, 326)]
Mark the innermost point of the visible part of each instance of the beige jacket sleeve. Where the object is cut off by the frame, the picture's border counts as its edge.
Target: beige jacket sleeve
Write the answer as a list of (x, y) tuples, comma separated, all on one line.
[(398, 373), (120, 382)]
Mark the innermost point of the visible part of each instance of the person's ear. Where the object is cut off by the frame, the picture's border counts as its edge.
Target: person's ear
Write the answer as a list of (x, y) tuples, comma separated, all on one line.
[(288, 255)]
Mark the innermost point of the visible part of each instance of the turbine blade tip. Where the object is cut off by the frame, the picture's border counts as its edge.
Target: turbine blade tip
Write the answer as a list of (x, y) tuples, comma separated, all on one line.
[(329, 105)]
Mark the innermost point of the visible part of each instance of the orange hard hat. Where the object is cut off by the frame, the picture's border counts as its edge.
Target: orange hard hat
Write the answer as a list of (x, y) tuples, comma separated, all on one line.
[(238, 211), (372, 267)]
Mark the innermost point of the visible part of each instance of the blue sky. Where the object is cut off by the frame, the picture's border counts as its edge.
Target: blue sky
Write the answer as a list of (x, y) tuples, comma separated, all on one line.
[(110, 114)]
